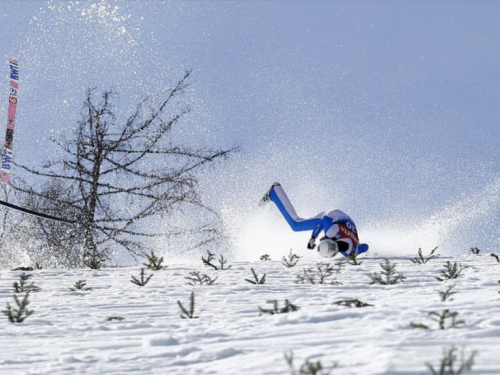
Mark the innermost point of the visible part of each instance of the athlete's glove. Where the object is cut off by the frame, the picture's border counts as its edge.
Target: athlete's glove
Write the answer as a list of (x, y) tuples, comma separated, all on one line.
[(311, 244)]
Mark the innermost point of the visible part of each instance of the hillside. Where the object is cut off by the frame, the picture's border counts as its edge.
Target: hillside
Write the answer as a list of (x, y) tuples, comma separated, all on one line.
[(68, 332)]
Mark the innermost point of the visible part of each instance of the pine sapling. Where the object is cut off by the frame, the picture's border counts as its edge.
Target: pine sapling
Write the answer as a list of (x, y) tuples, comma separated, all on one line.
[(319, 275), (352, 303), (196, 278), (447, 293), (278, 310), (154, 263), (442, 317), (424, 259), (29, 269), (419, 325), (185, 313), (308, 276), (80, 285), (450, 364), (22, 286), (265, 257), (262, 280), (143, 281), (451, 271), (94, 260), (353, 260), (222, 263), (475, 250), (387, 276), (208, 261), (113, 318), (445, 319), (291, 260), (308, 367), (20, 314)]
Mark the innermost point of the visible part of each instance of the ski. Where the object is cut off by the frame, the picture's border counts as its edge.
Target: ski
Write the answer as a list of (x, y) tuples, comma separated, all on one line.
[(38, 214), (11, 122)]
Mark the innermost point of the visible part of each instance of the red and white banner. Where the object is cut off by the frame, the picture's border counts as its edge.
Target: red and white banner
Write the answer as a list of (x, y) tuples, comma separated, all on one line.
[(11, 121)]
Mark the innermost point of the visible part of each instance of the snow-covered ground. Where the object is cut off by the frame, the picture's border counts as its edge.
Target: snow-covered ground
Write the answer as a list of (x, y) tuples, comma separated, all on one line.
[(69, 334)]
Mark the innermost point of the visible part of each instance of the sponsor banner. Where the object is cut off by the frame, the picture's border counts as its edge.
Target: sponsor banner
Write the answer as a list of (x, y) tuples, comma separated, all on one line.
[(6, 163)]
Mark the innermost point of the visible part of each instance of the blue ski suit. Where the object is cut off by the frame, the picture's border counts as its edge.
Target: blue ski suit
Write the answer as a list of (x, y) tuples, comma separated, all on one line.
[(335, 224)]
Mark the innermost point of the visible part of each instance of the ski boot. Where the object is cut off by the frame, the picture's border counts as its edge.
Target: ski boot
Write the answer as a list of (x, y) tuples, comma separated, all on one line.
[(267, 197)]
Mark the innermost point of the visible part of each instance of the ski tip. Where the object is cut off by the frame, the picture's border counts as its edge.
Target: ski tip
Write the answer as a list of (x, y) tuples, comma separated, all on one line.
[(263, 202)]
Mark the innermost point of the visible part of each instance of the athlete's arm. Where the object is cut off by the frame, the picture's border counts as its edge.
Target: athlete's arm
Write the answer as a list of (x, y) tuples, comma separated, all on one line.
[(318, 229), (311, 244)]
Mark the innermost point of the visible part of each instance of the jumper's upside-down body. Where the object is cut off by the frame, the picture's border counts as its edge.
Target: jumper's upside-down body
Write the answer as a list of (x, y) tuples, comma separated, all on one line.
[(340, 233)]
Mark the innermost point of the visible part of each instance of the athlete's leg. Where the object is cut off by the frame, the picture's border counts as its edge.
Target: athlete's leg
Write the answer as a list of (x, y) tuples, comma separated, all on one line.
[(279, 197)]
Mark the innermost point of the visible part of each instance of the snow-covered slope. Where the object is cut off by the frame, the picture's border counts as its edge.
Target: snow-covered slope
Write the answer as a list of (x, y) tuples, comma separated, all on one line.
[(69, 334)]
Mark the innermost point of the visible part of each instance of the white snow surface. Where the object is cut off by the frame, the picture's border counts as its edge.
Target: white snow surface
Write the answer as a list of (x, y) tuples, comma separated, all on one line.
[(69, 334)]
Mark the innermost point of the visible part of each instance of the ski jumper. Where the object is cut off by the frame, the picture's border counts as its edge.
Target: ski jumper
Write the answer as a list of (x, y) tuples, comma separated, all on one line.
[(335, 224)]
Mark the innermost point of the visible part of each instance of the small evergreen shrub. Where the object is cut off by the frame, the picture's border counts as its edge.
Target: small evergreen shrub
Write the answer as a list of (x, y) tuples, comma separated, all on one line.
[(142, 281), (94, 260), (319, 275), (222, 263), (279, 310), (265, 257), (256, 280), (445, 319), (421, 259), (451, 271), (23, 287), (208, 261), (308, 367), (290, 260), (387, 276), (154, 263), (196, 278), (352, 303), (475, 250), (22, 312), (113, 318), (185, 313), (447, 293), (353, 260), (80, 285), (451, 364)]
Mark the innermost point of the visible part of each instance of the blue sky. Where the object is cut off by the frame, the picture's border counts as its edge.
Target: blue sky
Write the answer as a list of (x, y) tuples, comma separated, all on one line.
[(386, 109)]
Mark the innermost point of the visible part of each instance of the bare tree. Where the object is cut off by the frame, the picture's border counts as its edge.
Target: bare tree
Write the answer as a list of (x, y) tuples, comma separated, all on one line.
[(10, 225), (121, 177), (27, 240), (56, 244)]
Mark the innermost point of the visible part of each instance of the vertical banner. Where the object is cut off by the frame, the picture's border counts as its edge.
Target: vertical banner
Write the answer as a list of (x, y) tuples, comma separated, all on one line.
[(11, 122)]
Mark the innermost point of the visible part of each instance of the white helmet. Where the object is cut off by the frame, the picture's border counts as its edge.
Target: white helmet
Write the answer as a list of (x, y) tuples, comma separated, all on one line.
[(328, 248)]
